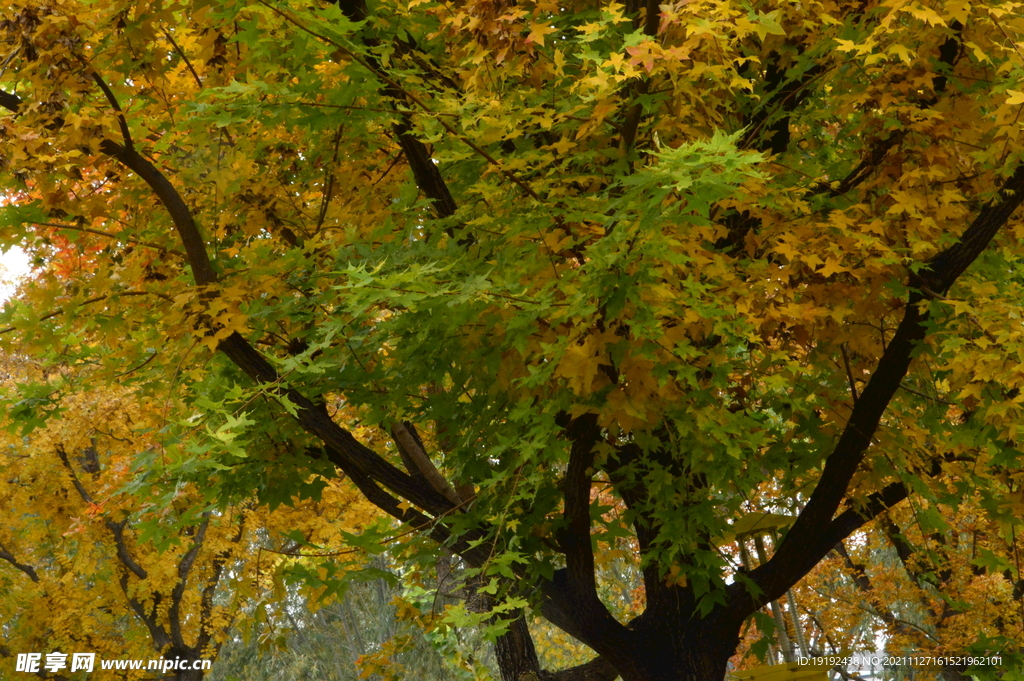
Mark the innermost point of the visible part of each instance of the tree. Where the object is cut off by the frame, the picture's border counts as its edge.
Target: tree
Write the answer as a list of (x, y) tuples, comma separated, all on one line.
[(380, 629), (76, 577), (87, 567), (674, 251), (933, 593)]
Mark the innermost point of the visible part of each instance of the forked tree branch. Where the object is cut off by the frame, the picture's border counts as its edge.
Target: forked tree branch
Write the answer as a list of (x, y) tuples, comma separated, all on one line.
[(184, 568), (411, 448)]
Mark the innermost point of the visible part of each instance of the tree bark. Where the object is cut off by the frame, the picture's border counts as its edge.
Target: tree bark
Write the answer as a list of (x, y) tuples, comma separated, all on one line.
[(698, 651)]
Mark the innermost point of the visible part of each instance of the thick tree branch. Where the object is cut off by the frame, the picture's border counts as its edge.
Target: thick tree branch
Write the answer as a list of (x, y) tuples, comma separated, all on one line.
[(743, 603), (156, 632), (517, 656), (411, 448), (815, 525), (351, 454), (393, 85), (786, 566), (476, 554), (117, 529), (584, 434), (598, 669), (605, 635), (10, 101), (945, 268), (424, 171)]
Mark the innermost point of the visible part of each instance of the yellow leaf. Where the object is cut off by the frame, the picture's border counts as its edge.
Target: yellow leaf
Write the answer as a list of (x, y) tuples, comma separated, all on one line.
[(905, 55), (579, 366), (537, 33)]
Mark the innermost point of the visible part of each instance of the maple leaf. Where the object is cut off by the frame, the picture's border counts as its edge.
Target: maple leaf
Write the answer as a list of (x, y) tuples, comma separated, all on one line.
[(537, 33)]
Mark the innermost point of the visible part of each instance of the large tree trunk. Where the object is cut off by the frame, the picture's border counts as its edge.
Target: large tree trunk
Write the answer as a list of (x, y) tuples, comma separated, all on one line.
[(517, 657), (698, 651)]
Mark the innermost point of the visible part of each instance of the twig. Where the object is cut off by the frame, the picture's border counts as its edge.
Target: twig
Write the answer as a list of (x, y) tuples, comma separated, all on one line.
[(75, 228), (849, 373), (928, 397), (184, 57), (97, 299)]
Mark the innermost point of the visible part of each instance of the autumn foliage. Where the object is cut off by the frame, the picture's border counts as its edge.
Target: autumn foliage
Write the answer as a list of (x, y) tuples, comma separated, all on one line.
[(542, 277)]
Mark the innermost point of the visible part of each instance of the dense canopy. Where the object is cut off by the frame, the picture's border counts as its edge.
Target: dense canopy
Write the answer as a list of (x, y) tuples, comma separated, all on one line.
[(546, 282)]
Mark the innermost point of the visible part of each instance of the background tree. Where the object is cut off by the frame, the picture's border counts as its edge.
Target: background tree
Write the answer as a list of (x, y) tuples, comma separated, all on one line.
[(671, 250), (89, 567), (920, 590), (384, 628)]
